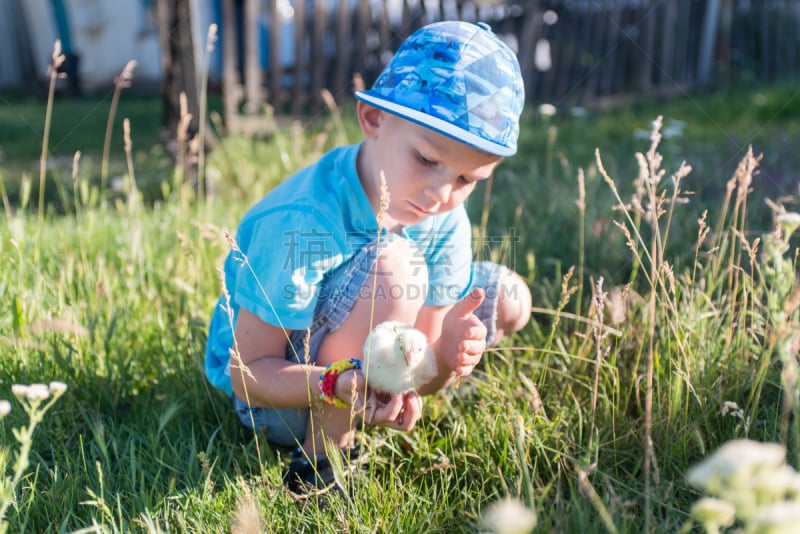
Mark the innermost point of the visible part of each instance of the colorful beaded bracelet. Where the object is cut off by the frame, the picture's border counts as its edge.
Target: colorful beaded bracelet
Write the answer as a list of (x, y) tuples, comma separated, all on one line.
[(327, 380)]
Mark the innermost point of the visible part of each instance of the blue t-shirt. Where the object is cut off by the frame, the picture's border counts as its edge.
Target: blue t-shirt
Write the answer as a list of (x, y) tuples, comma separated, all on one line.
[(304, 229)]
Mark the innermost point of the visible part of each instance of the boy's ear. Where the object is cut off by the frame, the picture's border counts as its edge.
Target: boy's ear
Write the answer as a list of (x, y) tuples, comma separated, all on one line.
[(369, 118)]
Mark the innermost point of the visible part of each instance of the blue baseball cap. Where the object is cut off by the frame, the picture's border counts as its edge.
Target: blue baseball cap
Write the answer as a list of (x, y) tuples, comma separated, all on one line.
[(458, 79)]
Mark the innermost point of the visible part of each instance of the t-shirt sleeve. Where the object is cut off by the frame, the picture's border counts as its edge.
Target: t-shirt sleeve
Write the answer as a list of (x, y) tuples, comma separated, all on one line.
[(288, 254), (449, 259)]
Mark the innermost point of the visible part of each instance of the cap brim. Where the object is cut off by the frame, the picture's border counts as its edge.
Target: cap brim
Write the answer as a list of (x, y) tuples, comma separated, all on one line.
[(436, 124)]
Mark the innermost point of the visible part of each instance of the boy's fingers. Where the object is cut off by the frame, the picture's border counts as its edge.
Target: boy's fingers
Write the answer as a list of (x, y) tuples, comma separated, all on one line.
[(369, 412), (468, 304), (412, 411), (472, 346), (463, 370), (389, 411), (355, 389)]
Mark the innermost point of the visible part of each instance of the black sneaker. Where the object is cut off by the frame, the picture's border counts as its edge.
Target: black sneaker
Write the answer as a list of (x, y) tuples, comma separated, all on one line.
[(305, 475)]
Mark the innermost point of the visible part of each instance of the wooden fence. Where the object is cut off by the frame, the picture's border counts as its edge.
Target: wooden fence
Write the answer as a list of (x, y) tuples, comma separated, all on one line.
[(572, 52)]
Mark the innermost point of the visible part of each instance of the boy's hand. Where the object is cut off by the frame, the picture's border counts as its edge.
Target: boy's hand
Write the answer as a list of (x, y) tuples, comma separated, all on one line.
[(351, 388), (463, 338), (399, 412)]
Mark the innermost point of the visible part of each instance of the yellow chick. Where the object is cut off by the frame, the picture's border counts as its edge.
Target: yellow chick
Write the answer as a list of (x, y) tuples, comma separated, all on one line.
[(397, 358)]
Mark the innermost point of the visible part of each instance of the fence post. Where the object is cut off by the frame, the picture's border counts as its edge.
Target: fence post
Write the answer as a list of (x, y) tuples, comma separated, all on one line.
[(252, 63), (531, 29), (231, 90), (317, 55), (275, 66), (300, 60), (344, 41), (708, 41)]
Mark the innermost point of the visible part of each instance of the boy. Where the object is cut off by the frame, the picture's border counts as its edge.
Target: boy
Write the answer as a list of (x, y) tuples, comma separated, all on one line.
[(324, 257)]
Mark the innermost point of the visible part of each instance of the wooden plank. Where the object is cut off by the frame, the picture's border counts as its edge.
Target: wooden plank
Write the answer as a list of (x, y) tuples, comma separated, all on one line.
[(252, 63), (682, 28), (669, 39), (299, 93), (593, 46), (275, 67), (615, 50), (344, 37), (530, 32), (385, 33), (790, 23), (763, 60), (362, 29), (666, 66), (317, 56), (623, 71), (708, 42), (231, 89), (648, 47), (554, 83), (405, 25)]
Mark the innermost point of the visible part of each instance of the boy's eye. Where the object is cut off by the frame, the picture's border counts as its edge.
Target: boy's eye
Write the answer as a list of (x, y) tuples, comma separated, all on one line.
[(425, 161)]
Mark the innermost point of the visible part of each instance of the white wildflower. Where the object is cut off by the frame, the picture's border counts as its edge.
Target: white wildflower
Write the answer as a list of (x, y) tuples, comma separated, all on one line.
[(789, 223), (773, 485), (713, 514), (19, 390), (5, 408), (38, 392), (778, 518), (57, 388), (509, 516), (548, 110), (733, 464)]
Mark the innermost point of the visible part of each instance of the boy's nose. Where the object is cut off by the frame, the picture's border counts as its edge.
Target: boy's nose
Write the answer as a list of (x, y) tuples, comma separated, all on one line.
[(439, 192)]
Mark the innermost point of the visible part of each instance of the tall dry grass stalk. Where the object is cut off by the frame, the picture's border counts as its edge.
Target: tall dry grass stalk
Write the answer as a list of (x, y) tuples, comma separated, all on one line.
[(76, 184), (337, 123), (599, 333), (4, 196), (123, 81), (182, 138), (587, 489), (211, 39), (236, 359), (652, 215), (567, 290), (132, 189), (648, 205), (581, 203), (383, 208), (56, 61), (487, 198)]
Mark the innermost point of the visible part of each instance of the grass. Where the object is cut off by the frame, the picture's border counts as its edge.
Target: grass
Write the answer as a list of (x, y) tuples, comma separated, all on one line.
[(113, 300)]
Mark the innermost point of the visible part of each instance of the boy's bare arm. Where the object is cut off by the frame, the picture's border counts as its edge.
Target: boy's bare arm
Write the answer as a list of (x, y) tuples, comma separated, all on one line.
[(265, 378)]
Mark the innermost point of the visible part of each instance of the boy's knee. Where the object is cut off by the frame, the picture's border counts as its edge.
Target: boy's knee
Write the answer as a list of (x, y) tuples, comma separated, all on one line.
[(401, 262), (400, 274), (514, 303)]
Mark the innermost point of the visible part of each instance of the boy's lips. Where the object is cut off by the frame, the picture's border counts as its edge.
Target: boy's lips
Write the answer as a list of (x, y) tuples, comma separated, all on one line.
[(424, 211)]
